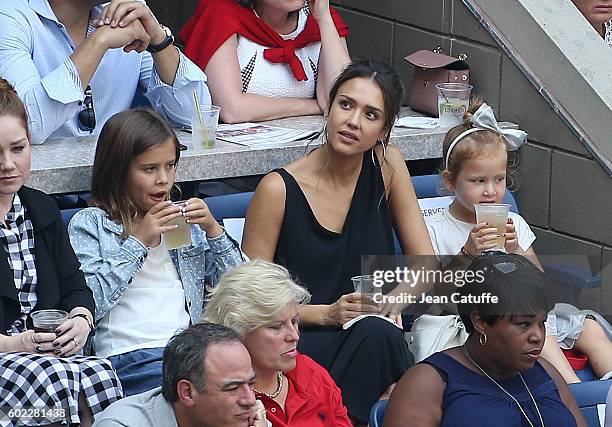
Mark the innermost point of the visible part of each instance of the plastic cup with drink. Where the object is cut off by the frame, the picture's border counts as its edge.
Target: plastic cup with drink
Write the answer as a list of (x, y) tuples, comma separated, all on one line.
[(453, 101), (496, 215), (364, 285), (48, 320), (181, 235), (204, 126)]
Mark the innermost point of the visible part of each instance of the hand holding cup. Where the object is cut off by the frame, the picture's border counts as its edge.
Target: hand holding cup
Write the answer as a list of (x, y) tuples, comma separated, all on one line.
[(155, 222), (350, 306), (197, 212), (482, 238), (511, 244)]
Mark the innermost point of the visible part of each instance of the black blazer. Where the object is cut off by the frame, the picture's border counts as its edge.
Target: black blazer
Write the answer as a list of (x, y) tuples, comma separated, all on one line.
[(61, 283)]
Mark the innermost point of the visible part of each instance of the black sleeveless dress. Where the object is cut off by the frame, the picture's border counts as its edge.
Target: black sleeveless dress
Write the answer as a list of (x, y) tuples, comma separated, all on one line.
[(371, 355)]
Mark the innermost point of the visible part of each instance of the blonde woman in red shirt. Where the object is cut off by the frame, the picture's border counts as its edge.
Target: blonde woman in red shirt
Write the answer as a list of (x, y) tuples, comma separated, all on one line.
[(260, 301)]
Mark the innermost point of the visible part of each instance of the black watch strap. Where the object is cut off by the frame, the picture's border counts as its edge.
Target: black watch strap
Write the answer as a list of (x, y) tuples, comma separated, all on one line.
[(154, 48)]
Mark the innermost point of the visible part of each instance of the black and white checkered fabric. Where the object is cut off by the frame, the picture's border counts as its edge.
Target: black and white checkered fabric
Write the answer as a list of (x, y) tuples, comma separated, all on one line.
[(17, 237), (313, 67), (34, 381), (247, 72)]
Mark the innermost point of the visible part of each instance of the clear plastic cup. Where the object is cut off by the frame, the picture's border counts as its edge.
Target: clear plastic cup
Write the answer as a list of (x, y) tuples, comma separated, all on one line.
[(48, 320), (453, 101), (181, 235), (364, 285), (204, 127), (496, 215)]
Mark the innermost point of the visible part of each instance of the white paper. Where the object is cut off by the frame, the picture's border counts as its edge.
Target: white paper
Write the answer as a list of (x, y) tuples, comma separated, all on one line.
[(234, 228), (260, 135), (363, 316), (433, 205), (417, 122)]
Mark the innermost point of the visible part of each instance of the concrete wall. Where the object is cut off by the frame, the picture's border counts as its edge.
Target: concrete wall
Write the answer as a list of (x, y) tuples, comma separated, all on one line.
[(564, 194)]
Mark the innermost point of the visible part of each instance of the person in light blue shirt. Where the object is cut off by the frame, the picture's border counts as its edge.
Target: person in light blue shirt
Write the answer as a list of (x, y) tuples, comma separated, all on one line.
[(68, 65)]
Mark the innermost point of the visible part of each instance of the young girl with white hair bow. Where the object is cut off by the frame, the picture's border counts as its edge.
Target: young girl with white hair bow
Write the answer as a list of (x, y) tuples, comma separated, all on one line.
[(476, 169)]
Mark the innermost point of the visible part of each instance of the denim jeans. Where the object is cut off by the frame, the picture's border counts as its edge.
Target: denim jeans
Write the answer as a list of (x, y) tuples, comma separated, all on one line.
[(139, 370)]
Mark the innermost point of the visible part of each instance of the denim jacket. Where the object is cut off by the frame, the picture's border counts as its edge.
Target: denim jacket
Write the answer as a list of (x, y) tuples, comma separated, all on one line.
[(110, 262)]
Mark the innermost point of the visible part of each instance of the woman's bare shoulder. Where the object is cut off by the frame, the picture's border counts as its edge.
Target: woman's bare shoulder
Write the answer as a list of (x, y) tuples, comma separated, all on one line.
[(417, 398), (271, 185)]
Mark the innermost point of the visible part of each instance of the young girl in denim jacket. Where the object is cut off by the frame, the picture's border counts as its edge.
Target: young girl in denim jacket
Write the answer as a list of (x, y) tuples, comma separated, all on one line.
[(475, 166), (143, 291)]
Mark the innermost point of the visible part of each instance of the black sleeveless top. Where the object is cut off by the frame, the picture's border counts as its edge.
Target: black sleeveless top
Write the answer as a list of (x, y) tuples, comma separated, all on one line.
[(322, 260)]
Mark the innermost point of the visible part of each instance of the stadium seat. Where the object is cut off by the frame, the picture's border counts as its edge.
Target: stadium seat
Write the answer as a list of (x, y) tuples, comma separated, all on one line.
[(377, 413), (588, 395)]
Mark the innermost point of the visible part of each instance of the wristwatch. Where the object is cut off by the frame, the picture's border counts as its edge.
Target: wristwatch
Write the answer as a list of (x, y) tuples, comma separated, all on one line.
[(154, 48)]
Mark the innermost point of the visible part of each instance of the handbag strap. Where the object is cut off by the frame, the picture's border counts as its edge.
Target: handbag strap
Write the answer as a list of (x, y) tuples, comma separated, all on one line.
[(432, 60)]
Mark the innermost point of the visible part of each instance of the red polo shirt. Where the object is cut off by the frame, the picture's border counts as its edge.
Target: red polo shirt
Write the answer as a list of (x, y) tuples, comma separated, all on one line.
[(313, 399)]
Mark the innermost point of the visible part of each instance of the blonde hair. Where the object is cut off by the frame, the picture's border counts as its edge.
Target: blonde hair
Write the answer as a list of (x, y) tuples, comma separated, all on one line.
[(252, 295), (475, 146)]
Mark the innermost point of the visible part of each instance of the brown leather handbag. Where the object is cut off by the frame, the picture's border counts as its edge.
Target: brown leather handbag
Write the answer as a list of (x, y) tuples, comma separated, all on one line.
[(431, 68)]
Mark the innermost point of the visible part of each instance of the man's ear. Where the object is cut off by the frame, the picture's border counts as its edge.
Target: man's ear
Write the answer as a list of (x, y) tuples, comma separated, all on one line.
[(186, 393), (448, 181)]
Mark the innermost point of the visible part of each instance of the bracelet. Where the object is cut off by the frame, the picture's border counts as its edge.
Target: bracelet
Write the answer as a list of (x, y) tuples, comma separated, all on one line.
[(465, 252), (87, 319)]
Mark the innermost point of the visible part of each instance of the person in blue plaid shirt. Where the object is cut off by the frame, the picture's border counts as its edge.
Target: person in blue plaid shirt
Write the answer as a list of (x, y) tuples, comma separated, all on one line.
[(145, 285), (42, 380)]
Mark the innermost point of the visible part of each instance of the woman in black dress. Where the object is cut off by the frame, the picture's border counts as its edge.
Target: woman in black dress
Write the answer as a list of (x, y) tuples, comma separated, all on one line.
[(320, 214)]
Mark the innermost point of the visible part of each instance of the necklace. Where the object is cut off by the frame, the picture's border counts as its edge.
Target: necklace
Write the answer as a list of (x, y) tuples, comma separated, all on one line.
[(279, 388), (506, 391)]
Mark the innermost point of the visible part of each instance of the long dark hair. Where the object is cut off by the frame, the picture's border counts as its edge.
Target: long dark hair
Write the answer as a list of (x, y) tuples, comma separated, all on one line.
[(123, 137), (385, 77)]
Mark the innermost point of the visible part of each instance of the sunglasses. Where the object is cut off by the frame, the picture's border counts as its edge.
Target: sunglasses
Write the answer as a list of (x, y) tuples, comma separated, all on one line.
[(501, 267), (87, 116)]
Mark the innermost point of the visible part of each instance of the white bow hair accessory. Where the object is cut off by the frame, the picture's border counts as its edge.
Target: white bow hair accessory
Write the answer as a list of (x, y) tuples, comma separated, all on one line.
[(484, 119)]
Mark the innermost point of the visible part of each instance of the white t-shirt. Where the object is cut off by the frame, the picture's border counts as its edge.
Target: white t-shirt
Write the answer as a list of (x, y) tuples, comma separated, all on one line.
[(276, 80), (148, 313), (448, 234)]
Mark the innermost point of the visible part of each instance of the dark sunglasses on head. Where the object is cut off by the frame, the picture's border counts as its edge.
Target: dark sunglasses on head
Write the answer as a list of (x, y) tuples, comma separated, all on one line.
[(502, 267), (87, 116)]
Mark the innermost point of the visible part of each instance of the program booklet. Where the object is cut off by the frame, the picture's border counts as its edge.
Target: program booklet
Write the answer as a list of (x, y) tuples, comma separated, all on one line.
[(255, 134)]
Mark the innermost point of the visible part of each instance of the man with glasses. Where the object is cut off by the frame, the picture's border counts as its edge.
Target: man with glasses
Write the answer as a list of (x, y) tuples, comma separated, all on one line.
[(75, 63)]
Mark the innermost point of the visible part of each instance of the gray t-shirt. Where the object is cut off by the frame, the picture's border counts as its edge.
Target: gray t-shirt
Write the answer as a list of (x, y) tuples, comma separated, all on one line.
[(148, 409)]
